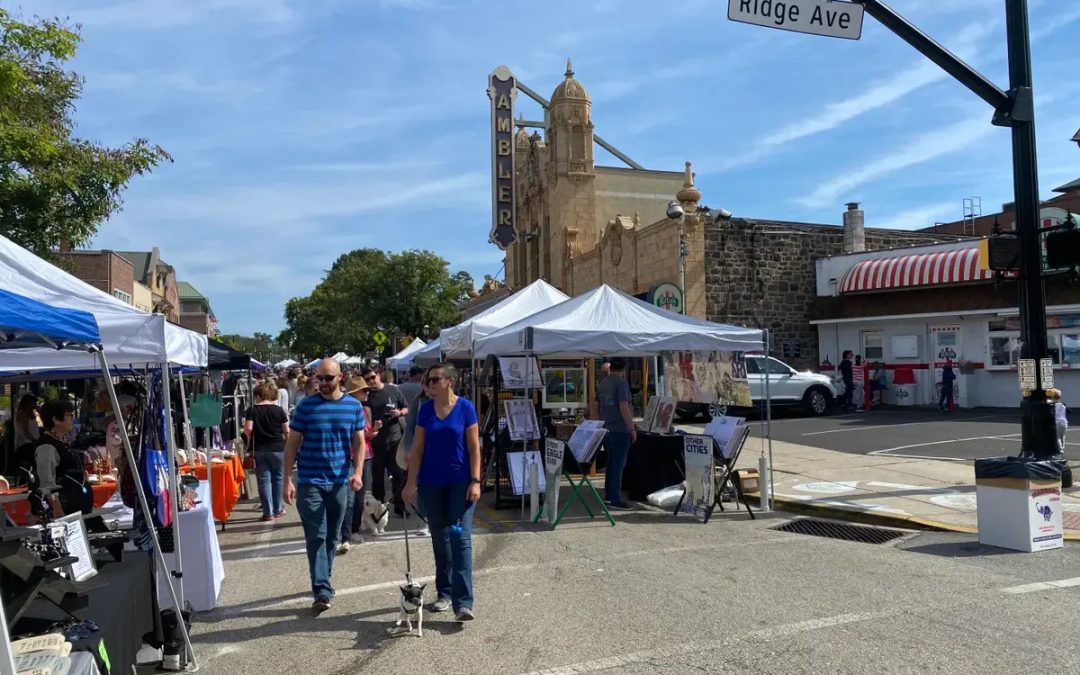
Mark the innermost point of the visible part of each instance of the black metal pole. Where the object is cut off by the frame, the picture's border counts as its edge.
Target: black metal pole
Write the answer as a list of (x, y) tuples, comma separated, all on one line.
[(1038, 438)]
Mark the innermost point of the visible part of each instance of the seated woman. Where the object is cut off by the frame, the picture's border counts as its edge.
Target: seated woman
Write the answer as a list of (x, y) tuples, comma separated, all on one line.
[(878, 384)]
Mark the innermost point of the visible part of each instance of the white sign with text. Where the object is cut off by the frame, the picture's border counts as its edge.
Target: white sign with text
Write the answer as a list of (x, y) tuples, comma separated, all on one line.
[(830, 18)]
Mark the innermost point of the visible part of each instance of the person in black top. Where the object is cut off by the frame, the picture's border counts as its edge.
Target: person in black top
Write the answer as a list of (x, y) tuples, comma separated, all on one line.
[(266, 425), (849, 380), (389, 405), (57, 466)]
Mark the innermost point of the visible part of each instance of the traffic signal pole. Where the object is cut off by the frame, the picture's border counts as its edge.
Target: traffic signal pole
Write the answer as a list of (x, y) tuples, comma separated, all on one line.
[(1014, 109)]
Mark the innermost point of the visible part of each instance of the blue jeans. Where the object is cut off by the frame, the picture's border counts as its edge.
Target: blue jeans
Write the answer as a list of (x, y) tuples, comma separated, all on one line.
[(322, 508), (617, 444), (444, 506), (269, 468), (354, 507)]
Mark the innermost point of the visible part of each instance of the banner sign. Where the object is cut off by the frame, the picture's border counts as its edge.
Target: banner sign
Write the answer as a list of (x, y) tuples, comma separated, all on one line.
[(707, 377), (520, 372), (698, 457), (553, 456), (502, 88)]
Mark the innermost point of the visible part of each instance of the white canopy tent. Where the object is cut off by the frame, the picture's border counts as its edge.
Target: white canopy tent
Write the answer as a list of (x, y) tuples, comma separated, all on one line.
[(129, 336), (416, 345), (457, 341), (340, 357), (287, 363), (426, 356), (354, 361), (608, 322)]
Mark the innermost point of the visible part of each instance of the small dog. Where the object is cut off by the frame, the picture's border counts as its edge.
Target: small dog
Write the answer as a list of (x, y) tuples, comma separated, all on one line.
[(376, 515), (412, 605)]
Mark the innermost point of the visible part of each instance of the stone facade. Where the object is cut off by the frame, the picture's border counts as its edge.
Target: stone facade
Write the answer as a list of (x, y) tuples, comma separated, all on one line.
[(761, 273)]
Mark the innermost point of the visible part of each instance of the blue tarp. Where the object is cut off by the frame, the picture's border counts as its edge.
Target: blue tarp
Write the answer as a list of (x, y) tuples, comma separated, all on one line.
[(28, 323)]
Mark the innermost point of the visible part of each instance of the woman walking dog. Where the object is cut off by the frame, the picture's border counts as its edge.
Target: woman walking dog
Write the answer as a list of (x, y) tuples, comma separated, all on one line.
[(444, 472)]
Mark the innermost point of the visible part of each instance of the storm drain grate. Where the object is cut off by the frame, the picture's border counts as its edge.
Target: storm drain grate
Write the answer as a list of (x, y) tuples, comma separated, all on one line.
[(844, 531)]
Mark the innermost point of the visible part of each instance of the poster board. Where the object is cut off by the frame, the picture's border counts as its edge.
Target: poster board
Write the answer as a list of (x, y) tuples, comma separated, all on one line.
[(520, 372), (707, 377), (78, 546), (664, 416), (518, 466), (521, 419), (650, 413), (554, 449), (585, 441), (725, 431), (564, 388), (700, 469)]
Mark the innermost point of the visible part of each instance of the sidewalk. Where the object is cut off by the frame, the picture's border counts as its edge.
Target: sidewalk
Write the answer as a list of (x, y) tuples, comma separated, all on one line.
[(890, 490)]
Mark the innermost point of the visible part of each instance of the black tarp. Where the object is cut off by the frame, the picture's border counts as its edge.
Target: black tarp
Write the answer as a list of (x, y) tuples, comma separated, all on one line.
[(221, 356)]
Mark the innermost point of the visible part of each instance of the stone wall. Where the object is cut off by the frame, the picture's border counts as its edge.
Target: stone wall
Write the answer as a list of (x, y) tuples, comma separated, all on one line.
[(761, 274)]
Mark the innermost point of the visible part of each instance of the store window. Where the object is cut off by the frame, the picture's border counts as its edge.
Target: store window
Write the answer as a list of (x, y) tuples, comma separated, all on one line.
[(872, 347), (1070, 349), (1004, 351), (1063, 346)]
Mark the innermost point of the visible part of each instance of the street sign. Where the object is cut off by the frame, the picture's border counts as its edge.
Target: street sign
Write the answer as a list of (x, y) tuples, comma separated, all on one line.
[(379, 338), (1046, 373), (1027, 374), (831, 18)]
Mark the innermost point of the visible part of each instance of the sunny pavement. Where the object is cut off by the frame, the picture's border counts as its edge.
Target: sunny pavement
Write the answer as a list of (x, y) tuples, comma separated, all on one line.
[(654, 594), (907, 467)]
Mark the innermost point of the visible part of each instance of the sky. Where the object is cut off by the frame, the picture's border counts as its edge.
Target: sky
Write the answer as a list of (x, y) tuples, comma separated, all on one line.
[(303, 129)]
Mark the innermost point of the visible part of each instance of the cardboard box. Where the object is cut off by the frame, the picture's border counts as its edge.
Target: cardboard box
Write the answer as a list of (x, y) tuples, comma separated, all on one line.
[(749, 480), (1019, 514)]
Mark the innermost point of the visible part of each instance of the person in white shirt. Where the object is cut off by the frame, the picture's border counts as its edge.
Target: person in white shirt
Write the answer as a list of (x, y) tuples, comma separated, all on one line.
[(282, 395), (1061, 419)]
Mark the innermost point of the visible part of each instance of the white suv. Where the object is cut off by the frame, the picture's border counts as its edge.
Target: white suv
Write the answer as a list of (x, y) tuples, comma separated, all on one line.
[(787, 387)]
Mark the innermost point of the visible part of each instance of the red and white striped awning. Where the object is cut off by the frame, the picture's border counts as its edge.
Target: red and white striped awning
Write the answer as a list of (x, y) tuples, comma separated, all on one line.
[(926, 269)]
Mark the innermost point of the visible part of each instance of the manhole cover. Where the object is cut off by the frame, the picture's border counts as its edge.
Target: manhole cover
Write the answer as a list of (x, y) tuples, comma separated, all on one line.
[(844, 531)]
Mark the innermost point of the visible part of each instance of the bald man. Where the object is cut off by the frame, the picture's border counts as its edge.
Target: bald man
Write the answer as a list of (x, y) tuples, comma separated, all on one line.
[(325, 441)]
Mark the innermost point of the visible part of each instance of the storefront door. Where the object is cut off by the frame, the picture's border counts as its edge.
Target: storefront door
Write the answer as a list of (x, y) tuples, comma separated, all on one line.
[(947, 347)]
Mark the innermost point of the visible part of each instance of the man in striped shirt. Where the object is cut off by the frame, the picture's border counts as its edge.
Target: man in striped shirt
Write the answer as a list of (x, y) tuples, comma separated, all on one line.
[(325, 442)]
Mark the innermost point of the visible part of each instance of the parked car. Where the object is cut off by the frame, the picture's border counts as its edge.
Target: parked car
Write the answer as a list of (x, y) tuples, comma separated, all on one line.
[(787, 387)]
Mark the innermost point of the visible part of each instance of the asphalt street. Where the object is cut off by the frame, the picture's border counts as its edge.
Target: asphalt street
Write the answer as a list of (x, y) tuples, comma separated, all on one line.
[(910, 432), (655, 594)]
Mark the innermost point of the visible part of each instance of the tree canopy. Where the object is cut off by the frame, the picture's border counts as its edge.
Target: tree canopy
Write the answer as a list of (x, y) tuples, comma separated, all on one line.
[(368, 290), (54, 187)]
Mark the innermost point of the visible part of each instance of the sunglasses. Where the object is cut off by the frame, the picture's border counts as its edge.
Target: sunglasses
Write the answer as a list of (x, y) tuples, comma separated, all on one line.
[(369, 378), (434, 380), (326, 378)]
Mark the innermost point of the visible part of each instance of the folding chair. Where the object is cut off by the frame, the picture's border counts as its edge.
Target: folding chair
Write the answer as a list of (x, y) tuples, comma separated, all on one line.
[(726, 475)]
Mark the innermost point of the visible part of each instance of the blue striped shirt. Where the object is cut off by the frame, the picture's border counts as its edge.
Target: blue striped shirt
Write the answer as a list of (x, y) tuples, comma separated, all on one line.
[(328, 426)]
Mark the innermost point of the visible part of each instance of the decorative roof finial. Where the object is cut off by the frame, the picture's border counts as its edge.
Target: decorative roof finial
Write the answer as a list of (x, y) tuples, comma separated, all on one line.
[(569, 68), (688, 194)]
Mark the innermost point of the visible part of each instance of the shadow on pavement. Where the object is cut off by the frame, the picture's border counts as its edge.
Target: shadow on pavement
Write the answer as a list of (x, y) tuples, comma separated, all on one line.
[(963, 549)]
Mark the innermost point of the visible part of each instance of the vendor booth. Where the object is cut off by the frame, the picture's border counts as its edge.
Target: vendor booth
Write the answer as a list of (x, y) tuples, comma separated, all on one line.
[(608, 322), (45, 568)]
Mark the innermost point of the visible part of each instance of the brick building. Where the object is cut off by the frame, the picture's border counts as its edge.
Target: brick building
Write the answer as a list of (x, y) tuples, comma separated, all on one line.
[(160, 277), (195, 312), (1068, 199), (107, 270)]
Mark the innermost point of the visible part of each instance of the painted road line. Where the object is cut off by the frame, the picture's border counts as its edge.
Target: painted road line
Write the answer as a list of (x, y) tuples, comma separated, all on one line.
[(888, 426), (1004, 437), (1042, 586), (652, 656)]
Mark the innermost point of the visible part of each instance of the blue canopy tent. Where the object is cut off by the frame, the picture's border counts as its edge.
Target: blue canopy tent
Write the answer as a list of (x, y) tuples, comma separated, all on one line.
[(27, 323)]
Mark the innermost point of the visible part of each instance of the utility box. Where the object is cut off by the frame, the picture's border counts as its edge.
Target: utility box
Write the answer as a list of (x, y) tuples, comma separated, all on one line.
[(1019, 503), (905, 386)]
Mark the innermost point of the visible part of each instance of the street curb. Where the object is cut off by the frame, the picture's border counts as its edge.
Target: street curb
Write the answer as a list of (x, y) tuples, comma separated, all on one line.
[(881, 519)]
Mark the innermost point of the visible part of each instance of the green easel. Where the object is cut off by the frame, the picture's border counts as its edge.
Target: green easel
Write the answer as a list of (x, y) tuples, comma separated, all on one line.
[(576, 493)]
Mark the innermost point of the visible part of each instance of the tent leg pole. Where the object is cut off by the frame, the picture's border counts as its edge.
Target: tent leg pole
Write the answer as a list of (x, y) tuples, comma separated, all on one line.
[(174, 478), (144, 506)]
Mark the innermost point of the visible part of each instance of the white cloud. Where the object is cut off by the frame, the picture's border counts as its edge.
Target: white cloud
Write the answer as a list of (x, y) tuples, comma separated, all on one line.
[(917, 76), (918, 217), (916, 151)]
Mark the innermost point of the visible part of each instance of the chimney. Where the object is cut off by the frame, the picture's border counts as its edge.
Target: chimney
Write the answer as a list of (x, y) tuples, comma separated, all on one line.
[(854, 229)]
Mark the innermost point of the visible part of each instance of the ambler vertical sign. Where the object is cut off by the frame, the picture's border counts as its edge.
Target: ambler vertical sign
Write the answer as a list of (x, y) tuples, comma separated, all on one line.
[(502, 88)]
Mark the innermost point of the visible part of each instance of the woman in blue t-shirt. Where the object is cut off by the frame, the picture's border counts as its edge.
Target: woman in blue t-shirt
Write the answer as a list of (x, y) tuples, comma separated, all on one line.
[(444, 471)]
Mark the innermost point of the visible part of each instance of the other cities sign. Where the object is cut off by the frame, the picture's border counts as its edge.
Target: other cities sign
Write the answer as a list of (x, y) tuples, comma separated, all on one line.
[(831, 18), (501, 90)]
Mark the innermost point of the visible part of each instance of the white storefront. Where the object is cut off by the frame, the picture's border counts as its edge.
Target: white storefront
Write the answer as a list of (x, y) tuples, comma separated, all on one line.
[(983, 344)]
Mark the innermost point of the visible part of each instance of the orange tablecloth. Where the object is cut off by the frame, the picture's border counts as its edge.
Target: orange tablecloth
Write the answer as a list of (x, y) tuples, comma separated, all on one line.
[(225, 486), (102, 492)]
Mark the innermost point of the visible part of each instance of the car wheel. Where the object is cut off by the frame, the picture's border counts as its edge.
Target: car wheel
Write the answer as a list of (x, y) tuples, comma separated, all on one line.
[(716, 410), (816, 401)]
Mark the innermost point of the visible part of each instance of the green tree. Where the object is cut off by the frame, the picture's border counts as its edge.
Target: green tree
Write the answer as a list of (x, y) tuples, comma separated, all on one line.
[(368, 290), (54, 187)]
